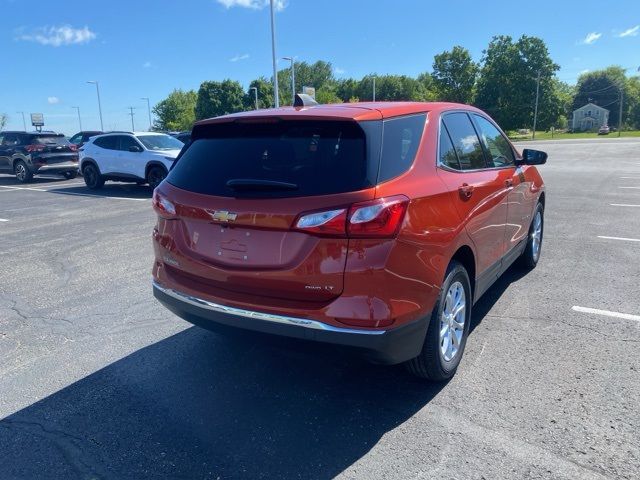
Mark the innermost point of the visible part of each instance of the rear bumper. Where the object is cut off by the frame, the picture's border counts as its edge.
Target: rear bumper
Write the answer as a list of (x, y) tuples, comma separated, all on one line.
[(56, 167), (391, 346)]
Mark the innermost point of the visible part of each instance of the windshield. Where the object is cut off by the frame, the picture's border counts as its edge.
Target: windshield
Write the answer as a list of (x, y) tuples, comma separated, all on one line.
[(285, 159), (160, 142)]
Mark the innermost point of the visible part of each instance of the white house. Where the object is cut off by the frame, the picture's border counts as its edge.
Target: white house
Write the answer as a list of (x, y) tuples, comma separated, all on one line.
[(589, 117)]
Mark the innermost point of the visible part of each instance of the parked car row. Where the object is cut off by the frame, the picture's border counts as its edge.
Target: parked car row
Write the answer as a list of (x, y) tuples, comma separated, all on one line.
[(140, 157)]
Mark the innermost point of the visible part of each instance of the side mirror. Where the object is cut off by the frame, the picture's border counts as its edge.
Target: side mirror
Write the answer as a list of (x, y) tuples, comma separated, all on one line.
[(533, 157), (135, 148)]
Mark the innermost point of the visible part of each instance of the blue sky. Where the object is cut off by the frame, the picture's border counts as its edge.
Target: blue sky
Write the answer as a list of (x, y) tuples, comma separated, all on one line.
[(145, 48)]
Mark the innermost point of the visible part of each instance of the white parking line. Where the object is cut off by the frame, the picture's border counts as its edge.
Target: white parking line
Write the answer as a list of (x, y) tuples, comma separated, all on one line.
[(607, 313), (623, 205), (620, 238), (635, 188), (3, 220), (633, 178)]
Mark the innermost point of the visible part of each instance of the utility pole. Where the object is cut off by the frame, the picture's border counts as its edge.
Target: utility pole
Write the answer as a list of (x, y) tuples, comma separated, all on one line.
[(255, 94), (620, 113), (535, 114), (24, 122), (374, 88), (131, 109), (95, 82), (276, 95), (79, 119), (293, 79), (149, 112)]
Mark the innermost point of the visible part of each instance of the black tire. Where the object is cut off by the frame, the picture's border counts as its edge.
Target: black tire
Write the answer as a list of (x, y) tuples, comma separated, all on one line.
[(155, 176), (70, 175), (431, 364), (92, 177), (22, 172), (531, 255)]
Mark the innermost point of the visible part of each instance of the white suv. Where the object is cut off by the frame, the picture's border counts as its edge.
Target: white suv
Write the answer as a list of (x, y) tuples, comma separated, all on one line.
[(141, 157)]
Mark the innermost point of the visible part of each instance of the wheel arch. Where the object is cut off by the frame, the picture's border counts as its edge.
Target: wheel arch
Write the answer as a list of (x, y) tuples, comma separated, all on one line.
[(465, 256), (154, 163), (89, 161)]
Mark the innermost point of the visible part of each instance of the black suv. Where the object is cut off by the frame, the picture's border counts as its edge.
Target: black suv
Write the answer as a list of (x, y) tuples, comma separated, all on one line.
[(30, 153), (80, 138)]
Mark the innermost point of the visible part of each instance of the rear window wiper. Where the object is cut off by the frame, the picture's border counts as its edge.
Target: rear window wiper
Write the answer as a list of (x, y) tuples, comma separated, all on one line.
[(256, 184)]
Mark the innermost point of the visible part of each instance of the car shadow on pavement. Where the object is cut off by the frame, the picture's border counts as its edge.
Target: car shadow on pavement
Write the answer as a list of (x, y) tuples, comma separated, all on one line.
[(10, 181), (201, 405), (491, 296), (110, 190)]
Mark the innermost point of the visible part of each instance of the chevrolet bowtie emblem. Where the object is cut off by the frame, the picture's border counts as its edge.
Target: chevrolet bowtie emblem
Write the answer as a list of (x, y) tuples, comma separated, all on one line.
[(222, 215)]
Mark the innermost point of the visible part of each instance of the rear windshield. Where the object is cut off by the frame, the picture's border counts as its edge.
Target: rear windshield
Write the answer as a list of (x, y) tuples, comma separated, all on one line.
[(279, 159), (49, 140)]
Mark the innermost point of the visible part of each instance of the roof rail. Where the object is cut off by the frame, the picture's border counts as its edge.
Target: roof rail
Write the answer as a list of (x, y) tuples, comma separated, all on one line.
[(304, 100)]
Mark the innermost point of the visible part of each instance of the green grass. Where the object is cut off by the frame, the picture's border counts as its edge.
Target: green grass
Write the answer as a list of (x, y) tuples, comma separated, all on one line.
[(566, 136)]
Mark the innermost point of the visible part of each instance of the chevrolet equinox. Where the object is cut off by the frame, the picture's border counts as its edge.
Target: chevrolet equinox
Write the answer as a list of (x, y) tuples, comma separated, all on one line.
[(371, 225)]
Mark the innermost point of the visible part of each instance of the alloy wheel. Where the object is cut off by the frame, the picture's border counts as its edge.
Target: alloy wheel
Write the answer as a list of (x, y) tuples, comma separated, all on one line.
[(452, 321)]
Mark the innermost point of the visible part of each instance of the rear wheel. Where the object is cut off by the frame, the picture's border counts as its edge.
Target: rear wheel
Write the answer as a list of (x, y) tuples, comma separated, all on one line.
[(448, 328), (23, 174), (92, 177), (70, 175), (155, 176), (531, 255)]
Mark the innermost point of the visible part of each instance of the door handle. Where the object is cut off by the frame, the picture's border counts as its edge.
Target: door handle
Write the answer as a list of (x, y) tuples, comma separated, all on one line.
[(465, 191), (508, 183)]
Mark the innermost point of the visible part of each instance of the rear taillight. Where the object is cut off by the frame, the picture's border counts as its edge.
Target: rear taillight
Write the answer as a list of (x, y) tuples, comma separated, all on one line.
[(162, 205), (34, 148), (374, 219)]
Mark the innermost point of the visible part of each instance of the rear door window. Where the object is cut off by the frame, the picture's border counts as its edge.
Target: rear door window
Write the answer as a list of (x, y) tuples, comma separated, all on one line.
[(275, 159), (400, 141), (109, 142), (465, 141), (127, 142), (448, 156), (498, 147)]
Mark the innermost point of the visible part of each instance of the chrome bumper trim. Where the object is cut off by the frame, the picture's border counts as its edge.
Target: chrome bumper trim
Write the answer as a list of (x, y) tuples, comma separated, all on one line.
[(267, 317)]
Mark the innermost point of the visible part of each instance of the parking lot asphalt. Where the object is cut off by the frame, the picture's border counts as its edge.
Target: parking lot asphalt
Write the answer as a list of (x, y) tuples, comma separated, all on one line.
[(97, 380)]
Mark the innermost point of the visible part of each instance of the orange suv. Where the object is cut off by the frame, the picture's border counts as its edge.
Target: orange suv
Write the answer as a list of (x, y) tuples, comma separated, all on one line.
[(371, 225)]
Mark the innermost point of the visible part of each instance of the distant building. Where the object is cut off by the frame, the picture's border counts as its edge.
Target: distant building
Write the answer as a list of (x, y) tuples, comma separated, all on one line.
[(589, 117)]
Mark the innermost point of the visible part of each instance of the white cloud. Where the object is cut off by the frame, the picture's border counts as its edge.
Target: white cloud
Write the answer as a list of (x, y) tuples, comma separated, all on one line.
[(59, 36), (237, 58), (630, 32), (147, 65), (582, 72), (591, 38), (53, 100), (253, 4), (339, 71)]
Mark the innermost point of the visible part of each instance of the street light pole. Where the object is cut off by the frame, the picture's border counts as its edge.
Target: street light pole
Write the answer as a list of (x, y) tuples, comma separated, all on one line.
[(374, 88), (24, 122), (276, 96), (255, 93), (293, 79), (95, 82), (79, 119), (149, 112), (535, 114), (620, 113), (131, 109)]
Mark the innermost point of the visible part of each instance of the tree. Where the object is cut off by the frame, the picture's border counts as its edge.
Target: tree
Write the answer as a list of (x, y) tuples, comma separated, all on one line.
[(633, 100), (265, 94), (4, 118), (219, 98), (506, 86), (315, 75), (602, 88), (346, 89), (454, 75), (176, 112), (391, 88)]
